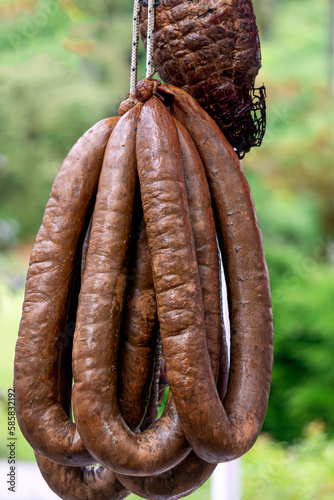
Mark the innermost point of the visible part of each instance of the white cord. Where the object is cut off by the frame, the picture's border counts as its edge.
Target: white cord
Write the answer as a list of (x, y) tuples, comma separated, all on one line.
[(135, 42), (150, 39)]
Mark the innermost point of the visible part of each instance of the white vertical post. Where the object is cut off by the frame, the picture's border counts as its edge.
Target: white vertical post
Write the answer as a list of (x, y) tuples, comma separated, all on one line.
[(225, 481)]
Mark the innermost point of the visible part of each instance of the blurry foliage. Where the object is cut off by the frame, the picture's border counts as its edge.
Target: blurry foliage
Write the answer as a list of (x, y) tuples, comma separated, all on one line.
[(274, 471), (304, 471), (292, 180), (65, 65), (265, 11)]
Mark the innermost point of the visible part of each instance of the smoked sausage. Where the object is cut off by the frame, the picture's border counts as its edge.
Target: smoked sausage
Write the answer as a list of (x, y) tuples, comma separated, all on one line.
[(95, 351), (77, 483), (192, 472), (138, 338), (221, 432), (41, 417)]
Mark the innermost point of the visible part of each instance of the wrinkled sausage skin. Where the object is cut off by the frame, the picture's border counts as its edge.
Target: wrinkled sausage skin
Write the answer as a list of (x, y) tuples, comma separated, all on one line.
[(95, 351), (41, 417), (219, 432)]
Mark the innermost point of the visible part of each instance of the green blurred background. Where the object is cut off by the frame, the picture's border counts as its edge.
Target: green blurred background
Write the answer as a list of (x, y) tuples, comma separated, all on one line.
[(65, 65)]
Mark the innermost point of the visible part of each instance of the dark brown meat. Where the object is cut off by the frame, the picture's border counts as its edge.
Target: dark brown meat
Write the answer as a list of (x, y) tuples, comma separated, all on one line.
[(211, 50), (138, 338), (176, 483), (223, 432), (204, 231), (95, 352), (41, 417), (77, 483), (81, 483), (192, 472)]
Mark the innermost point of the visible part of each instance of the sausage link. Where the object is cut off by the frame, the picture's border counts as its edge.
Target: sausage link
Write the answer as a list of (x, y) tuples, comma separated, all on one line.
[(90, 483), (41, 417), (204, 231), (192, 472), (95, 352), (81, 483), (175, 483), (171, 243), (206, 250), (138, 338), (77, 483), (220, 432)]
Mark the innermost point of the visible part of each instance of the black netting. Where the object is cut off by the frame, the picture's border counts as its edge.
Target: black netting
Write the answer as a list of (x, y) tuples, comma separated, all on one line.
[(258, 113), (243, 119)]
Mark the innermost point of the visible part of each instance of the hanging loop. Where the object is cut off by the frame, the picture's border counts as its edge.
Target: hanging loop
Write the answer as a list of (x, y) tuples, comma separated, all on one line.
[(150, 39), (135, 42)]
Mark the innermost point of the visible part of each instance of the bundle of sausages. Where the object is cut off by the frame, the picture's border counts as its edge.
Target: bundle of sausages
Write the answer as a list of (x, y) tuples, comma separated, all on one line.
[(128, 253)]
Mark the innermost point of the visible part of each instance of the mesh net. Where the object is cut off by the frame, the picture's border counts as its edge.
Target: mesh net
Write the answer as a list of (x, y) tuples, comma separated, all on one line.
[(242, 119)]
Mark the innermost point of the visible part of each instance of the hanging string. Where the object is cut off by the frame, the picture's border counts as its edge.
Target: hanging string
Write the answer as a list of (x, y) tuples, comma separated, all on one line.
[(150, 39), (135, 43)]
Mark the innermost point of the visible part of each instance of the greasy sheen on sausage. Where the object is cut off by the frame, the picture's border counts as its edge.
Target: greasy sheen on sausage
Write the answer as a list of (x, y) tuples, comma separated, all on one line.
[(178, 482), (96, 339), (220, 432), (81, 483), (173, 254), (138, 338), (203, 226), (77, 483), (41, 417), (192, 472), (171, 241)]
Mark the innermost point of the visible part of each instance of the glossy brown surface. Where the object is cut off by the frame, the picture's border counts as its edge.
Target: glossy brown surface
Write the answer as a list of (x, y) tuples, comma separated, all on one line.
[(71, 483), (77, 483), (41, 417), (223, 432), (211, 50), (203, 226), (95, 352), (172, 248), (138, 338), (147, 265), (192, 472), (176, 483), (81, 483), (170, 237)]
